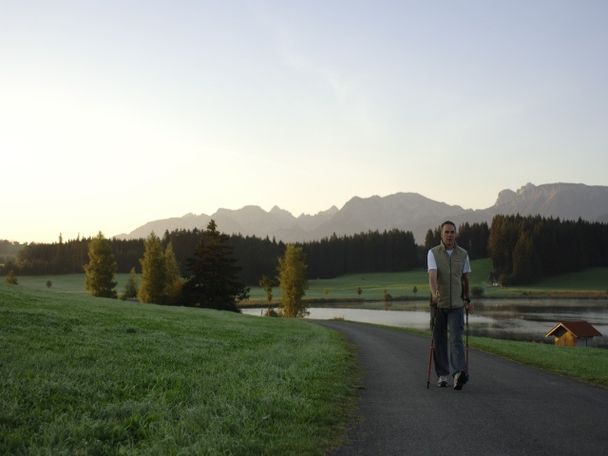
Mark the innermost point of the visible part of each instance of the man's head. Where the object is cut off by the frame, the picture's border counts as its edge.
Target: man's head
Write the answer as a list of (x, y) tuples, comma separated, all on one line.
[(448, 234)]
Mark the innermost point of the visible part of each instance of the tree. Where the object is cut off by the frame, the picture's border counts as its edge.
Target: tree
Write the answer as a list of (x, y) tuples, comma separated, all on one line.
[(266, 283), (173, 277), (131, 286), (100, 270), (526, 268), (212, 279), (11, 278), (432, 238), (152, 287), (293, 281)]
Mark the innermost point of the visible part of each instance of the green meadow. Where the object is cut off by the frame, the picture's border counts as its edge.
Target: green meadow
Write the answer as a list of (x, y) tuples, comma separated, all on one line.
[(414, 285), (399, 285), (84, 375)]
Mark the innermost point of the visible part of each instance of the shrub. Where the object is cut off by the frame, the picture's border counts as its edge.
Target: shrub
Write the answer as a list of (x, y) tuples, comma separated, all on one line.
[(11, 278)]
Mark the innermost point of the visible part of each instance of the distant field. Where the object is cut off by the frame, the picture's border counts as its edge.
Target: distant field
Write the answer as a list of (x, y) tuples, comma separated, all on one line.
[(591, 282), (68, 283), (84, 375)]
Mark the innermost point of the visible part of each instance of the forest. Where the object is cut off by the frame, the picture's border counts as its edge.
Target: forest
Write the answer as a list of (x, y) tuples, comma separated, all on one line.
[(523, 250)]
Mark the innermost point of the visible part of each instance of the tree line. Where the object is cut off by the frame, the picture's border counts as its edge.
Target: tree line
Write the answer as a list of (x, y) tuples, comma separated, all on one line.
[(526, 249), (471, 237), (373, 251), (523, 249)]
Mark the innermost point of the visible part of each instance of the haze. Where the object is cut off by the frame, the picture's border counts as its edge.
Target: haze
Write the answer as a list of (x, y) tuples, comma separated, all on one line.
[(116, 113)]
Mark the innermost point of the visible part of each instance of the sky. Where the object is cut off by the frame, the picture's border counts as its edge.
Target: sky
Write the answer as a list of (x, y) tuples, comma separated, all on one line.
[(116, 113)]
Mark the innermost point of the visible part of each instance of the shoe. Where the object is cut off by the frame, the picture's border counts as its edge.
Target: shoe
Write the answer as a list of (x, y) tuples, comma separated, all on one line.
[(443, 381), (460, 379)]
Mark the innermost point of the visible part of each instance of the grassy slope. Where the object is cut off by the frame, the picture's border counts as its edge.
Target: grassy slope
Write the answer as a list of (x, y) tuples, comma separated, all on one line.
[(81, 375)]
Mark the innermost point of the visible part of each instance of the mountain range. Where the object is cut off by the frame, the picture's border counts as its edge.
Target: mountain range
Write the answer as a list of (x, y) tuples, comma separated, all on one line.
[(405, 211)]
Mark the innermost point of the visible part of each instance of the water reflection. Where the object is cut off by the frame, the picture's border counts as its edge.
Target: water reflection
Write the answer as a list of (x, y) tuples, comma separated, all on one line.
[(502, 318)]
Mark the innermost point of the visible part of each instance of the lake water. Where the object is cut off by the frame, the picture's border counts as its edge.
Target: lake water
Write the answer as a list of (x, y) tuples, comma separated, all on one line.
[(500, 318)]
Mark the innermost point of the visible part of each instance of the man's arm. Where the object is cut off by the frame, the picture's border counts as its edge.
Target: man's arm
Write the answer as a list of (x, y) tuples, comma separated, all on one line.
[(433, 286), (465, 287)]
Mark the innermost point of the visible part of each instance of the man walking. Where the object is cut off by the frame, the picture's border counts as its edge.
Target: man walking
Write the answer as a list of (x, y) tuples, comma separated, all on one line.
[(449, 268)]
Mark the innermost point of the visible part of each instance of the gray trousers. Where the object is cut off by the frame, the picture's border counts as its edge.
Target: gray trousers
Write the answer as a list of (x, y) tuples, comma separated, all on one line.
[(447, 334)]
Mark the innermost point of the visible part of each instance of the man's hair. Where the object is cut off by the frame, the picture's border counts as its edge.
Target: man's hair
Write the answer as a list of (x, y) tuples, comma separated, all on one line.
[(448, 222)]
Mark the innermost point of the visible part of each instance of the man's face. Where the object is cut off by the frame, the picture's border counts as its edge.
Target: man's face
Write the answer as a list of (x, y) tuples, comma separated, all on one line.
[(448, 235)]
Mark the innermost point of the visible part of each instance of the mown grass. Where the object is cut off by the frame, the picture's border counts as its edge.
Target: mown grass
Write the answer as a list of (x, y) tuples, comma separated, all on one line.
[(591, 282), (584, 363), (83, 375)]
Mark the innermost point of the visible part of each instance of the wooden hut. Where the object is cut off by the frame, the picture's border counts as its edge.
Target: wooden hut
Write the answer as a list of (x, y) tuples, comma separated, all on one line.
[(571, 333)]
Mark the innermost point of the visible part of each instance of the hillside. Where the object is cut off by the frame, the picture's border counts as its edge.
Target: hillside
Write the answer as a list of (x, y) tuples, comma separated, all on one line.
[(84, 375)]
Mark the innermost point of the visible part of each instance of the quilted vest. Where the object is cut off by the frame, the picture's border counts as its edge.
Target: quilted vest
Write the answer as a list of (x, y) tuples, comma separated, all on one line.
[(449, 275)]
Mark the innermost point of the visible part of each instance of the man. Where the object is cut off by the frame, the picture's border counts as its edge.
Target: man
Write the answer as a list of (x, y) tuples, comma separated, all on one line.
[(449, 268)]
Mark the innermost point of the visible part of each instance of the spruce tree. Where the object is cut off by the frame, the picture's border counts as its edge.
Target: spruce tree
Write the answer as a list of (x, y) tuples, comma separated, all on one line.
[(100, 270), (213, 274), (153, 274), (293, 282)]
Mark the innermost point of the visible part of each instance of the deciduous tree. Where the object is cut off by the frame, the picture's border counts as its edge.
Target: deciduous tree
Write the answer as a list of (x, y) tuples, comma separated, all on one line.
[(100, 270), (152, 287), (131, 286), (11, 278), (293, 281), (173, 277)]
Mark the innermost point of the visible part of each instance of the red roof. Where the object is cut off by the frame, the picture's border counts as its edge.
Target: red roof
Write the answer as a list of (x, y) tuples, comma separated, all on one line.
[(580, 328)]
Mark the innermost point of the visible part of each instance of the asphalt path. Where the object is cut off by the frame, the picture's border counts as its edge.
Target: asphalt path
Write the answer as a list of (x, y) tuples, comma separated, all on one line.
[(505, 409)]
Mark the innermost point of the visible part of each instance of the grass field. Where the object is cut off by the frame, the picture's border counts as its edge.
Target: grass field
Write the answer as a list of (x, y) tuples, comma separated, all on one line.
[(84, 375), (591, 282), (584, 363)]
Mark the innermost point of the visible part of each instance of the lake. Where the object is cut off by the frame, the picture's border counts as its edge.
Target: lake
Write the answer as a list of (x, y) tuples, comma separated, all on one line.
[(523, 319)]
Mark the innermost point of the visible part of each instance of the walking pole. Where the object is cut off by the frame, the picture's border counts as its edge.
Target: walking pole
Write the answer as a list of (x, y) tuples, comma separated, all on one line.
[(432, 347), (466, 310)]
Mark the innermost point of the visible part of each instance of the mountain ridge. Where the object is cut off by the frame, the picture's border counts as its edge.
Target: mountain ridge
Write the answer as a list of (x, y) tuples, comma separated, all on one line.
[(407, 211)]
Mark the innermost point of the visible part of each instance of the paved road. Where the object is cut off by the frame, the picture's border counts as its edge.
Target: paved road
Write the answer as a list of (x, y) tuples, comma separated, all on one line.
[(505, 409)]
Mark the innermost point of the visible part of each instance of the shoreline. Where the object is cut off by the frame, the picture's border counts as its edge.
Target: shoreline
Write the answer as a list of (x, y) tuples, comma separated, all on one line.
[(316, 302)]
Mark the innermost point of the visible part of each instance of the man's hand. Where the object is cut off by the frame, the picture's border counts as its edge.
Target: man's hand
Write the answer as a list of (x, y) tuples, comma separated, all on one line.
[(435, 298), (468, 305)]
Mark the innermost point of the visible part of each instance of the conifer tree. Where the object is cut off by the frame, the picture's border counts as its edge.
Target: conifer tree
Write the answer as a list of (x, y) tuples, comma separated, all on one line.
[(100, 270), (153, 274), (213, 274), (173, 277), (293, 281)]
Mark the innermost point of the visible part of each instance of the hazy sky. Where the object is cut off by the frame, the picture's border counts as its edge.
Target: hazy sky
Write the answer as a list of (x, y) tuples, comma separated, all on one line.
[(115, 113)]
